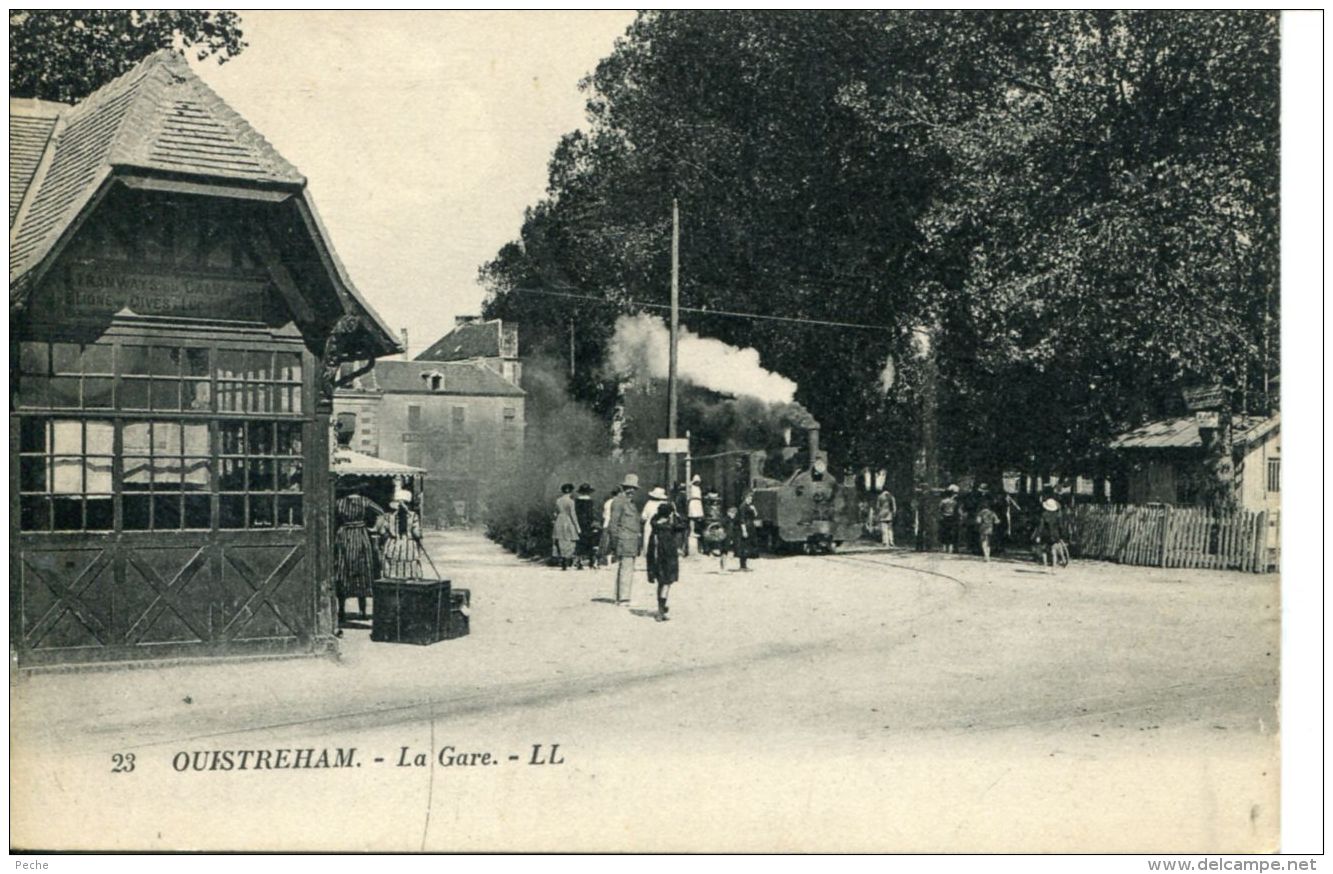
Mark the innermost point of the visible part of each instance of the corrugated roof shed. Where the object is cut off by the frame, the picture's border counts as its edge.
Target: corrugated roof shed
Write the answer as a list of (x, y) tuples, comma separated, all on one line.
[(474, 340), (159, 117), (411, 377), (1183, 433)]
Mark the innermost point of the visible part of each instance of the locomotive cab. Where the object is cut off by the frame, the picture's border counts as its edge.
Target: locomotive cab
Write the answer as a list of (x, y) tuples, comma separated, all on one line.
[(801, 503), (808, 508)]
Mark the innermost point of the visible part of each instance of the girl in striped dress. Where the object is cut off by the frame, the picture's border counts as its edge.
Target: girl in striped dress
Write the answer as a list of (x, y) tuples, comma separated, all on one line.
[(355, 563), (401, 541)]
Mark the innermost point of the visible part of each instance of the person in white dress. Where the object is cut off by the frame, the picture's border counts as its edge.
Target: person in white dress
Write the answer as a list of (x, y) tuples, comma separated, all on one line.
[(696, 513)]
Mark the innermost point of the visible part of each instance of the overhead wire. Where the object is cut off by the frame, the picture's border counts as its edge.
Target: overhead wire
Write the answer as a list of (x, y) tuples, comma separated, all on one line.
[(703, 310)]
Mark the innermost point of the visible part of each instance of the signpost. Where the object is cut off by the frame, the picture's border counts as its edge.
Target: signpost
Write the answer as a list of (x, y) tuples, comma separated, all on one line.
[(673, 445), (1205, 397), (675, 327)]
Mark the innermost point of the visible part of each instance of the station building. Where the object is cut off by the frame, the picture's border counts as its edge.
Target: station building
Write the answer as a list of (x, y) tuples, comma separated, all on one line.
[(178, 321), (460, 421)]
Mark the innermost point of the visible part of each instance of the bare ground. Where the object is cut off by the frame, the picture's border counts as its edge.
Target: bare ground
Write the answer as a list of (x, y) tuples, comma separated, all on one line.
[(865, 701)]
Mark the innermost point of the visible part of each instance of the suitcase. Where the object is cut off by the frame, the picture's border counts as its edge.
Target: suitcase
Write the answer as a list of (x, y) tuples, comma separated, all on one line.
[(413, 611)]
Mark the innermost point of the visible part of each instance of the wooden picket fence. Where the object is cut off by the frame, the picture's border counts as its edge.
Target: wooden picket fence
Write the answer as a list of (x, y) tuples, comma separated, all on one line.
[(1190, 537)]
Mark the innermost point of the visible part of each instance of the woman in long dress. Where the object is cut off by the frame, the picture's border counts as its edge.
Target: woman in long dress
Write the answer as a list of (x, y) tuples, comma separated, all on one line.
[(696, 513), (355, 562), (566, 529), (401, 539)]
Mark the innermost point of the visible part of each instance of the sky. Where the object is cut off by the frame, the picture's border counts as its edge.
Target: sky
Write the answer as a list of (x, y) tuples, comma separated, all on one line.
[(423, 135)]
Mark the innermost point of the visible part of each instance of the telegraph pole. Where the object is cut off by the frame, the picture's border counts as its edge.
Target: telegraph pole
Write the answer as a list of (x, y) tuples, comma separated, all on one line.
[(927, 336), (675, 328)]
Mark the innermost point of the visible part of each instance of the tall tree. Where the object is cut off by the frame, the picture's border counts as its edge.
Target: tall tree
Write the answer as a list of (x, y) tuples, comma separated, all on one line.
[(1081, 206), (64, 54)]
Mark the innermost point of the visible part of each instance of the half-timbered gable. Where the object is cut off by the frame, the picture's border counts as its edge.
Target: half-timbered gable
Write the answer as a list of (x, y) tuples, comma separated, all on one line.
[(178, 319)]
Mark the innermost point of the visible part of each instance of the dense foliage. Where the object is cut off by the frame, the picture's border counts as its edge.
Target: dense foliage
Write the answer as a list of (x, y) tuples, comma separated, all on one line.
[(1080, 206), (64, 54)]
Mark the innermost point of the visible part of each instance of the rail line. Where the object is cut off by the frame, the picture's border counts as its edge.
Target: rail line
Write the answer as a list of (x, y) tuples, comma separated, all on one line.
[(862, 558)]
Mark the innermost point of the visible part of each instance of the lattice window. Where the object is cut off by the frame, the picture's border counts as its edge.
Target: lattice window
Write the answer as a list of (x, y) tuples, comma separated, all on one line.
[(164, 378), (259, 474), (1274, 474), (258, 382), (167, 479), (127, 435), (65, 474), (66, 376)]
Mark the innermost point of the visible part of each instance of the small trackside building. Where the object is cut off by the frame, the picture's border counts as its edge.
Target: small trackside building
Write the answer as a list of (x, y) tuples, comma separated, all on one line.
[(178, 322)]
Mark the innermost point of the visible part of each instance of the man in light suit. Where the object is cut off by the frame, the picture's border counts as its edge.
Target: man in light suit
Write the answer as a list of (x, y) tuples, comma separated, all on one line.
[(626, 536)]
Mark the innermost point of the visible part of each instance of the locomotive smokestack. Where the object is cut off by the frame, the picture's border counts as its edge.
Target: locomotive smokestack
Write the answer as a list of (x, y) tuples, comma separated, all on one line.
[(813, 434)]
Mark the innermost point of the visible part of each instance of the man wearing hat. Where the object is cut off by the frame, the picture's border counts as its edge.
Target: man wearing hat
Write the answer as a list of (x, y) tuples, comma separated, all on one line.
[(1048, 534), (626, 531), (886, 507)]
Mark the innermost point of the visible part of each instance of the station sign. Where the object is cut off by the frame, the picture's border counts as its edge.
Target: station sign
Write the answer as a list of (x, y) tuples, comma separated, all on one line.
[(87, 291), (673, 445)]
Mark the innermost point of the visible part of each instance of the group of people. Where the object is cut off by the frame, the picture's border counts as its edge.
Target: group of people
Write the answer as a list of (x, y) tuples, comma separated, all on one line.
[(980, 521), (664, 528), (371, 543)]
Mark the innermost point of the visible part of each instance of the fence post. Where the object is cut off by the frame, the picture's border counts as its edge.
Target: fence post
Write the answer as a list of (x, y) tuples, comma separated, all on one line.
[(1261, 543), (1166, 533)]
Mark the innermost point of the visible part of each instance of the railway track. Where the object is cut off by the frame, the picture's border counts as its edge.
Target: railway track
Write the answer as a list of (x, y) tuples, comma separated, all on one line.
[(868, 557)]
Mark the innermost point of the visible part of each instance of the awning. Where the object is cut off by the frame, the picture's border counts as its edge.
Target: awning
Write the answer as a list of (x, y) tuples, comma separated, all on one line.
[(347, 462)]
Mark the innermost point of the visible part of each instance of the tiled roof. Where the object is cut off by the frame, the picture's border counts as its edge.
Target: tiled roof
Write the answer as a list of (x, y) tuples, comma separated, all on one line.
[(474, 340), (403, 377), (30, 125), (159, 117), (1182, 433)]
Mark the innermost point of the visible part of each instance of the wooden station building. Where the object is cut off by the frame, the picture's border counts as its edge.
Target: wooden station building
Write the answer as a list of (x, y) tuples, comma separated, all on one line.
[(178, 319)]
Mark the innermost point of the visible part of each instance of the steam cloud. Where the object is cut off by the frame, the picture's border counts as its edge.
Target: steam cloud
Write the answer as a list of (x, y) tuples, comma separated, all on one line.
[(642, 346)]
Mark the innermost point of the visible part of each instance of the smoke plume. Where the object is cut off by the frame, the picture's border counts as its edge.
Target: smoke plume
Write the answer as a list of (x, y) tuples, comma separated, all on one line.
[(642, 346)]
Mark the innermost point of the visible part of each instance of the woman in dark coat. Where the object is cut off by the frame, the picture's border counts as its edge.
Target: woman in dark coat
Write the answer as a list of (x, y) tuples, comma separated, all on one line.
[(355, 559), (743, 530), (590, 529), (663, 555)]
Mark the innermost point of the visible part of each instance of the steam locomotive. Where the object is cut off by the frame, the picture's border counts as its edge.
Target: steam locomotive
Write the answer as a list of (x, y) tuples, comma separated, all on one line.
[(800, 502)]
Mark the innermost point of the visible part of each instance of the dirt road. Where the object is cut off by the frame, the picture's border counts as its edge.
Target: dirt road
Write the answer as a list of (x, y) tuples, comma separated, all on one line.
[(868, 701)]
